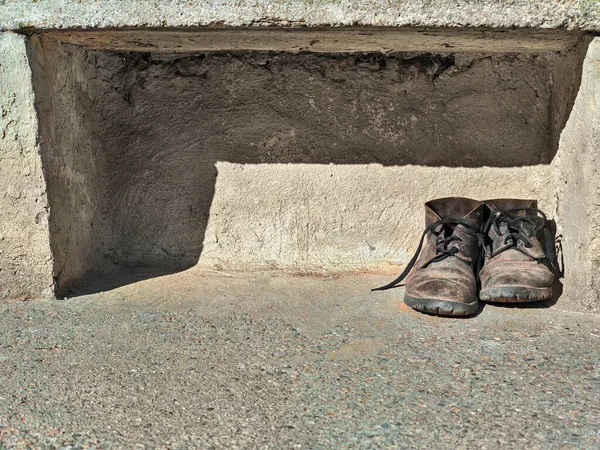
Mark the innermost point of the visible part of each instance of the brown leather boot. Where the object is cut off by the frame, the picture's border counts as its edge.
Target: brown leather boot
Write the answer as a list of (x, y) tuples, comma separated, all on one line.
[(517, 266), (444, 280)]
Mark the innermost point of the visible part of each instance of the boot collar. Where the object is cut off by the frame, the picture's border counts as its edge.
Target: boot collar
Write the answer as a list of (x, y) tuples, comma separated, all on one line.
[(504, 204), (453, 207)]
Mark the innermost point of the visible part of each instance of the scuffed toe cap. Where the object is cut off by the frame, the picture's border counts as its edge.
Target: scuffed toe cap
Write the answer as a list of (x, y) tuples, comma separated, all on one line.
[(440, 284), (523, 274)]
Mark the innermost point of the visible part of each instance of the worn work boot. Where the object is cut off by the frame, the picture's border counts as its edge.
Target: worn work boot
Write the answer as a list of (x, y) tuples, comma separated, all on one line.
[(517, 259), (444, 279)]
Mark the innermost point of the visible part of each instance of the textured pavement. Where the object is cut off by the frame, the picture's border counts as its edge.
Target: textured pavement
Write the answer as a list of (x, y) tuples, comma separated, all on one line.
[(210, 360)]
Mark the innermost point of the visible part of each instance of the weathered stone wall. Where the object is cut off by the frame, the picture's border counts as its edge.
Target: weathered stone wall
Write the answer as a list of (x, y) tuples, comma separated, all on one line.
[(577, 191), (25, 258)]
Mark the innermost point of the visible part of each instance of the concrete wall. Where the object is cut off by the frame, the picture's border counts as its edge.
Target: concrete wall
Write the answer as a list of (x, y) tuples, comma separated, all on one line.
[(288, 161), (577, 188), (25, 257), (69, 147)]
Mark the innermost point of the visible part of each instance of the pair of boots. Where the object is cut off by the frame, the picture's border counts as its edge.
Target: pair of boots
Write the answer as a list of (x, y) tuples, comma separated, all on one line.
[(471, 250)]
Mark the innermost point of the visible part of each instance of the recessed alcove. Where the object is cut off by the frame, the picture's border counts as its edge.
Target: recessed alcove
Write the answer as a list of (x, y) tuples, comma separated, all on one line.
[(278, 149)]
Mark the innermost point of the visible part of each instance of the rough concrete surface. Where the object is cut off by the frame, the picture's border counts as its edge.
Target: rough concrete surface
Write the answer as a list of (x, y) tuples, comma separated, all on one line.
[(25, 258), (574, 14), (201, 360), (265, 160), (577, 188)]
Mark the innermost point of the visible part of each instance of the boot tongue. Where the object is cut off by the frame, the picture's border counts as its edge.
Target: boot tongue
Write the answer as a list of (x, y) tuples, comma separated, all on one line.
[(506, 204), (528, 228), (455, 208)]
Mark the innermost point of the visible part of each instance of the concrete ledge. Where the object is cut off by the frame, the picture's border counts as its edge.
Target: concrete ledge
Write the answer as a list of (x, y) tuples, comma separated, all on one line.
[(321, 40), (48, 14)]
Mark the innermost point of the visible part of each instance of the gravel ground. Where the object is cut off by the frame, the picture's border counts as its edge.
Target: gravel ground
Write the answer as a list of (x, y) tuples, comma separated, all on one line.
[(198, 360)]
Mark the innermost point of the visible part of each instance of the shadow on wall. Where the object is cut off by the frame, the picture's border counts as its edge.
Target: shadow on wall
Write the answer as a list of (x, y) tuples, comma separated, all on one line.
[(130, 141)]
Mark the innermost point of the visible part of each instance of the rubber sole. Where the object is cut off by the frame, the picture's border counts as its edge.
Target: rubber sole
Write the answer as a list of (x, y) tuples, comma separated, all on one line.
[(441, 307), (515, 294)]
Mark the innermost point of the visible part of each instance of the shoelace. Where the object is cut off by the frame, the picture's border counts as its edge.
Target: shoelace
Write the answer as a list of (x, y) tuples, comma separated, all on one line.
[(521, 228), (441, 247)]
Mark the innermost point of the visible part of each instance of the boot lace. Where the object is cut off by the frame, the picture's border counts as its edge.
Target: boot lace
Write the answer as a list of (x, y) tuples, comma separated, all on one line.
[(520, 229), (444, 231)]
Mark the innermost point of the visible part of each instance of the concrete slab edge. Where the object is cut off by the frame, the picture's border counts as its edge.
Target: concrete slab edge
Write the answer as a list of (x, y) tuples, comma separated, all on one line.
[(55, 14)]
